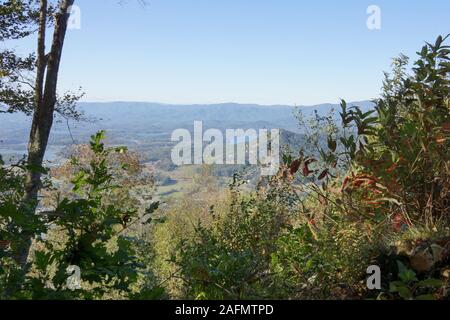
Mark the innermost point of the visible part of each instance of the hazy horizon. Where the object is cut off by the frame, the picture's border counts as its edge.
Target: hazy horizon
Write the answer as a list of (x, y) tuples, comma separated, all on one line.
[(207, 52)]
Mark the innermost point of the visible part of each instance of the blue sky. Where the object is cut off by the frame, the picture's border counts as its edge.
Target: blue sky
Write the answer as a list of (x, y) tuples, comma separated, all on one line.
[(247, 51)]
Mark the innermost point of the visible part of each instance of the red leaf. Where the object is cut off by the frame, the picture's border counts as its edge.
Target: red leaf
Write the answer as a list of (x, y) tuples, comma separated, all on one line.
[(446, 127), (323, 174), (309, 161), (392, 168), (345, 183), (4, 244), (295, 166), (306, 171)]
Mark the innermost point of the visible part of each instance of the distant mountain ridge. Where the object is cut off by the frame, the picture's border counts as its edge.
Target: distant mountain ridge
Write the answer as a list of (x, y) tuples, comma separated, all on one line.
[(140, 123), (224, 114)]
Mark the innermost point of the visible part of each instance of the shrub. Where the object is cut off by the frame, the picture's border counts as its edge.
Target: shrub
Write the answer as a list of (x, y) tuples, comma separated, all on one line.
[(230, 259)]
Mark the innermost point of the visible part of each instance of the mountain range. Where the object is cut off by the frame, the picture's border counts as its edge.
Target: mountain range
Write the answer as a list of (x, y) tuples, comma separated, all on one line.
[(141, 125)]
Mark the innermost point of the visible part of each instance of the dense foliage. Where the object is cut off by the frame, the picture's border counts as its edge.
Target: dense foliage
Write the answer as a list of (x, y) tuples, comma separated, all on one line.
[(371, 189), (86, 230)]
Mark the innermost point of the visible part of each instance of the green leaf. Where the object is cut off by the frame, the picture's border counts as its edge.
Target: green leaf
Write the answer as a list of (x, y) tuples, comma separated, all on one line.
[(426, 297), (152, 208), (439, 41), (393, 286), (121, 150), (37, 169), (405, 293), (274, 259), (79, 180), (405, 274), (400, 288), (332, 145), (41, 260), (432, 283), (158, 220), (96, 142), (150, 294)]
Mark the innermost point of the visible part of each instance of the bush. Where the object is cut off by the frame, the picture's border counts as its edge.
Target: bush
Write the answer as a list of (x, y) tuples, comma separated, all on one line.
[(230, 258), (15, 227), (312, 231), (88, 232)]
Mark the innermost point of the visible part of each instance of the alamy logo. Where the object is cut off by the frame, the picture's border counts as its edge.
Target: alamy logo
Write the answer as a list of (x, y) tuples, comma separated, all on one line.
[(74, 21), (238, 146), (374, 278), (74, 280), (374, 19)]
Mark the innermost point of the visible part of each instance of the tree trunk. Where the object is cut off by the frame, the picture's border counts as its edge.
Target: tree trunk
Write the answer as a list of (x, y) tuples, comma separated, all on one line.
[(45, 101)]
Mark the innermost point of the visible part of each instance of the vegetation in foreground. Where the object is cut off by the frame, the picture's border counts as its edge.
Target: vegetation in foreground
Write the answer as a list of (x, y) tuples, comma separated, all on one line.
[(376, 193)]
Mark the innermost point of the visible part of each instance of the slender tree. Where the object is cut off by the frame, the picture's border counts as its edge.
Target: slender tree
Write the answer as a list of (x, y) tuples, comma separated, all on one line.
[(45, 95), (37, 97)]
